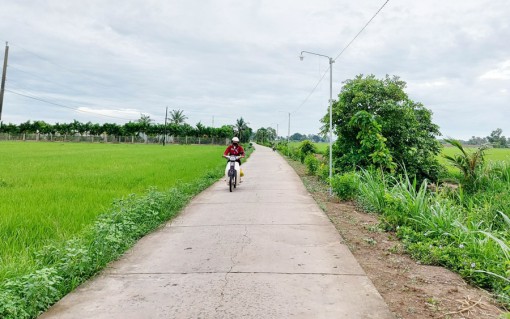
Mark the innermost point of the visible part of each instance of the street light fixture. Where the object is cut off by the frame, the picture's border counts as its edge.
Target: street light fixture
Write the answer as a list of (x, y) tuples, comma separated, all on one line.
[(331, 61)]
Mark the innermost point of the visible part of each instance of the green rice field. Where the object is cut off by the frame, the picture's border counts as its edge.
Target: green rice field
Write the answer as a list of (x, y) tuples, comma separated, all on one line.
[(491, 154), (51, 191)]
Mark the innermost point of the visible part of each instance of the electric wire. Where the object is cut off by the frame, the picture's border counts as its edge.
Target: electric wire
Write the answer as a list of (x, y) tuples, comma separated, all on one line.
[(65, 106), (341, 52), (362, 29)]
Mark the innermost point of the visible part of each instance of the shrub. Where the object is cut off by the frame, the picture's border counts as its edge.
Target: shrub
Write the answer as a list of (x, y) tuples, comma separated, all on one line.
[(305, 148), (312, 164), (323, 171), (345, 186)]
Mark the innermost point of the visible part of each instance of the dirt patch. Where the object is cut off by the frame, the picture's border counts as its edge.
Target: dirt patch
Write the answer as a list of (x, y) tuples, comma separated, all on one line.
[(411, 290)]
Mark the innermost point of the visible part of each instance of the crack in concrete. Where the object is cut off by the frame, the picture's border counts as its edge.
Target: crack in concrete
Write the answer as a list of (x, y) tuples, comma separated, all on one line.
[(234, 263)]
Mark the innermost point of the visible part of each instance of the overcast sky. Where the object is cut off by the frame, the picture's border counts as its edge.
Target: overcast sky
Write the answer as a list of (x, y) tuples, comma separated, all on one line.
[(219, 60)]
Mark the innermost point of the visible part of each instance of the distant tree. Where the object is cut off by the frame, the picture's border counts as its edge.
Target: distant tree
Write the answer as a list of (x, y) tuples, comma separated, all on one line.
[(26, 127), (297, 137), (42, 127), (177, 117), (145, 122), (406, 126), (63, 128), (242, 130), (474, 140), (77, 127), (95, 129), (112, 129), (223, 132), (497, 140), (202, 130), (9, 128), (131, 128)]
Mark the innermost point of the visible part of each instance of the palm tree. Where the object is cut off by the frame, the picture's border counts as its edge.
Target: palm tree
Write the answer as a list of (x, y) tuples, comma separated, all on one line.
[(469, 164), (177, 117), (241, 127)]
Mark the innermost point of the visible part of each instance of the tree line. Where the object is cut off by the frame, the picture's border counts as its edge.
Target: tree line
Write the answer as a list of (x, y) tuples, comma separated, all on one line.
[(145, 126), (495, 139)]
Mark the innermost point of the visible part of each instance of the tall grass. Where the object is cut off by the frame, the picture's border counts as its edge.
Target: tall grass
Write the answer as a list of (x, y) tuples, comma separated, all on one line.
[(466, 232), (51, 191)]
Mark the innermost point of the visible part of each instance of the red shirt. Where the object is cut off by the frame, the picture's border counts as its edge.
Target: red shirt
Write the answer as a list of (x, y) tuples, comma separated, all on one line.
[(234, 150)]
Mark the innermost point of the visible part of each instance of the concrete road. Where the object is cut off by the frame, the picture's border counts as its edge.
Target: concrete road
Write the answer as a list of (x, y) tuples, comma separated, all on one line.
[(265, 250)]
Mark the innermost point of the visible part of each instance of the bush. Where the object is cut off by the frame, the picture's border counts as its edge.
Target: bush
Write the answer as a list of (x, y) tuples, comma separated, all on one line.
[(323, 171), (305, 148), (345, 186), (312, 164)]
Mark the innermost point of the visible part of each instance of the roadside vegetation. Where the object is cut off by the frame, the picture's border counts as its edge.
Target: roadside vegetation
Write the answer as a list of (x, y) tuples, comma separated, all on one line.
[(449, 206), (69, 209)]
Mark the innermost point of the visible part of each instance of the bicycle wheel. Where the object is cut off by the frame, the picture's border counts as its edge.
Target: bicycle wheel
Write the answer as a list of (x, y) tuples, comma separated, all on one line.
[(235, 180), (231, 182)]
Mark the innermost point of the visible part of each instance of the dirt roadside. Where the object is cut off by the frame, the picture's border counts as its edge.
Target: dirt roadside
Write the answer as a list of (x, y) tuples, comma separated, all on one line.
[(411, 290)]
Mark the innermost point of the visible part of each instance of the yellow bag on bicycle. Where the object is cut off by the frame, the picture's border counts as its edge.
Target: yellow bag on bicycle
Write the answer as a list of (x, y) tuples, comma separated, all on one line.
[(242, 173)]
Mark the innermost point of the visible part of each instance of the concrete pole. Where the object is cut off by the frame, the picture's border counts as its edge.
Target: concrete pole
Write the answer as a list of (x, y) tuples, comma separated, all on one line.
[(4, 73)]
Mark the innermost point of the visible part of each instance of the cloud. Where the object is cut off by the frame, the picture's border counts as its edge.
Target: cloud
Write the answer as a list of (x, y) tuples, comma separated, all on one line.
[(502, 72), (226, 59)]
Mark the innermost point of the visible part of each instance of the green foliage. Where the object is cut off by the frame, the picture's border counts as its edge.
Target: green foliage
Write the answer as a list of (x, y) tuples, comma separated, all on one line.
[(372, 149), (312, 164), (470, 164), (323, 171), (346, 185), (462, 232), (406, 125), (63, 266), (265, 136), (497, 140), (305, 148), (372, 190)]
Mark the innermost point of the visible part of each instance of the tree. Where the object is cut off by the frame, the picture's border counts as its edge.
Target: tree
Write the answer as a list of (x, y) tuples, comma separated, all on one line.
[(371, 147), (177, 117), (145, 122), (406, 126), (496, 139), (297, 137), (242, 130), (470, 164)]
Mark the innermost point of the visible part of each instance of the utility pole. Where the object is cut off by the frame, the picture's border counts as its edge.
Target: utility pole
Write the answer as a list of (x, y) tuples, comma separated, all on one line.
[(213, 121), (166, 117), (4, 72), (288, 132)]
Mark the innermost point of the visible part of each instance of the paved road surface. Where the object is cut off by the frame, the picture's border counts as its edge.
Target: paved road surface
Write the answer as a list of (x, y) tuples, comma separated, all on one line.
[(264, 251)]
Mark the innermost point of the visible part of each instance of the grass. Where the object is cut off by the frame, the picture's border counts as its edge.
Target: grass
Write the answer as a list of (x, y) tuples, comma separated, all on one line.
[(321, 147), (491, 154), (51, 191)]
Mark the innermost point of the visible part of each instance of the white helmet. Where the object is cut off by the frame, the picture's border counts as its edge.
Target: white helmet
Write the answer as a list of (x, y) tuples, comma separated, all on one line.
[(235, 140)]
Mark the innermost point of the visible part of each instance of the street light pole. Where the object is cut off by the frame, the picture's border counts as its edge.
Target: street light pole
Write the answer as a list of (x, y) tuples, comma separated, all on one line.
[(331, 61)]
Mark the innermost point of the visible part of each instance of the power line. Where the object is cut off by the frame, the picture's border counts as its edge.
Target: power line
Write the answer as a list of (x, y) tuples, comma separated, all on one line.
[(366, 25), (89, 77), (40, 77), (65, 106), (45, 59), (311, 92), (57, 83), (341, 52)]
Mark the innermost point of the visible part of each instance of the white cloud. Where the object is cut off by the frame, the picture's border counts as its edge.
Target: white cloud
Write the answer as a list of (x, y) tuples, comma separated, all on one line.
[(502, 72)]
